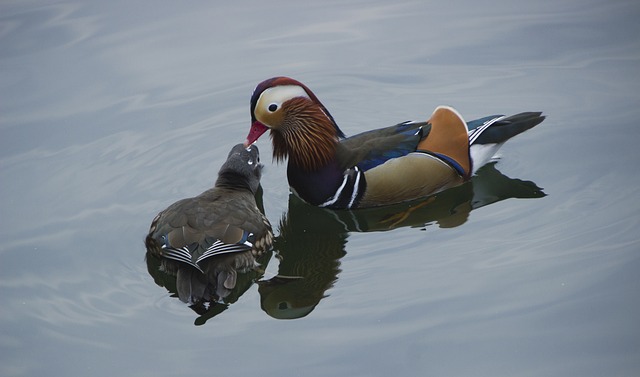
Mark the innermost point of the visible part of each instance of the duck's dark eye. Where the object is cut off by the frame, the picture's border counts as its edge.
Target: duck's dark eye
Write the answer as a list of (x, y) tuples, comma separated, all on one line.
[(273, 107)]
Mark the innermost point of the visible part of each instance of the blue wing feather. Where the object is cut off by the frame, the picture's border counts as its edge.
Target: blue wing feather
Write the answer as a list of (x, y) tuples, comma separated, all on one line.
[(385, 144)]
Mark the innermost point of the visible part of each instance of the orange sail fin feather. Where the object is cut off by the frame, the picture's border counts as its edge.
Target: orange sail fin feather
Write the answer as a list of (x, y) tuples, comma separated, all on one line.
[(449, 137)]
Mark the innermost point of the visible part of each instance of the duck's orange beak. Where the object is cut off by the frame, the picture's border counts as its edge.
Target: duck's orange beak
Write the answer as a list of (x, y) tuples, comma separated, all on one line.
[(257, 129)]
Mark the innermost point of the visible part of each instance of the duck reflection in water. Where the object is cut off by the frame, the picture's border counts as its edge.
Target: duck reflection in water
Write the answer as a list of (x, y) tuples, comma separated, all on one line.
[(197, 247), (312, 240)]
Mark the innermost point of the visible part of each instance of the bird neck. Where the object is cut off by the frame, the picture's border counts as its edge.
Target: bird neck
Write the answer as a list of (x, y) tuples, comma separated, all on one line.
[(308, 136), (233, 181)]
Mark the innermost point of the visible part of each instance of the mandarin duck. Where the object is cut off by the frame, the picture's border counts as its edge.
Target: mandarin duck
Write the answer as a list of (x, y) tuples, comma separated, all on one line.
[(407, 161), (206, 240)]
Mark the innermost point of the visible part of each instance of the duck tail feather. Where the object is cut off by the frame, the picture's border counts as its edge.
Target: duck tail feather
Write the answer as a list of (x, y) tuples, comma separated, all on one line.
[(499, 129)]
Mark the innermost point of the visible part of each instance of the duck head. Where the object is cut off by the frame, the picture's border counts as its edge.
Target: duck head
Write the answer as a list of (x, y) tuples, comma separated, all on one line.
[(242, 169), (301, 127)]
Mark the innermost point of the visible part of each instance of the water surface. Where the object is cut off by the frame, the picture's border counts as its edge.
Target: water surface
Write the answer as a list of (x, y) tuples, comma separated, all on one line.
[(109, 112)]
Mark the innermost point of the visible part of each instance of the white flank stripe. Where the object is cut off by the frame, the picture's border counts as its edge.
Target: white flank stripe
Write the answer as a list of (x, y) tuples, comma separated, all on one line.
[(336, 196), (355, 188)]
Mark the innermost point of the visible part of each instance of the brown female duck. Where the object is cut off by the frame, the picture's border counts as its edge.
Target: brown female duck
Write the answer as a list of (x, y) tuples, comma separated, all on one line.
[(207, 239)]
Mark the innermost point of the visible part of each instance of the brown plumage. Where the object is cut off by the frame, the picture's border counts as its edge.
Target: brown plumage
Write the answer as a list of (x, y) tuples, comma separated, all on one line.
[(206, 240)]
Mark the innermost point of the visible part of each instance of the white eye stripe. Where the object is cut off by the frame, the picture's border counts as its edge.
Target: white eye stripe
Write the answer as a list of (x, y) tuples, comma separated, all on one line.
[(280, 94)]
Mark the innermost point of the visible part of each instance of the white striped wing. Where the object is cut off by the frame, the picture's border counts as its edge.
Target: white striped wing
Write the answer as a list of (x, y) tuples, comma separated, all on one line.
[(220, 248), (182, 255)]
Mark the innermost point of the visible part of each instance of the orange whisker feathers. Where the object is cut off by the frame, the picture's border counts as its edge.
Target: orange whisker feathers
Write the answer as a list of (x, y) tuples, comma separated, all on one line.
[(308, 137)]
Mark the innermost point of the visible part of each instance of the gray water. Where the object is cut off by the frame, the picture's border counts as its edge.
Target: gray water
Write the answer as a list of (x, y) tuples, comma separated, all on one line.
[(111, 111)]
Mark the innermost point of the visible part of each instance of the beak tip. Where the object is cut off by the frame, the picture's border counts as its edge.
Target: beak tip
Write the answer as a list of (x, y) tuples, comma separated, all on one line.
[(257, 129)]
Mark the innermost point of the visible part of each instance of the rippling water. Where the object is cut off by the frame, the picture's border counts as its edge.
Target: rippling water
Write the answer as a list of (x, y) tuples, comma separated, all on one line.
[(111, 111)]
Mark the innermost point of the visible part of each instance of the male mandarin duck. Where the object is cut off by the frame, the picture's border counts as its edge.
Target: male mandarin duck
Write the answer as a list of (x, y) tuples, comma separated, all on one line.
[(403, 162), (207, 239)]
